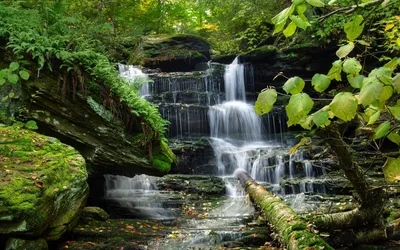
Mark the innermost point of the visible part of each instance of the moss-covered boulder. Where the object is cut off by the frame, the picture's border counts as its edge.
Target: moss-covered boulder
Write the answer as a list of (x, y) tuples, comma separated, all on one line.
[(94, 213), (172, 53), (43, 185)]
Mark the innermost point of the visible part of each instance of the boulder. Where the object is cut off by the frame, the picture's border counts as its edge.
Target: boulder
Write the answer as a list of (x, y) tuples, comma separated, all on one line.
[(94, 213), (43, 185), (173, 53)]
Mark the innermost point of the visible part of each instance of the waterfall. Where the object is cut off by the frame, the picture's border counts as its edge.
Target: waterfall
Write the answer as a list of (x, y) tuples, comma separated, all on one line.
[(234, 81), (136, 77), (137, 196)]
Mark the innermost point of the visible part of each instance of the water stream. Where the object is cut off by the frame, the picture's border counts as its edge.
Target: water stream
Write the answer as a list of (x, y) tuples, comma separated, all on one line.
[(209, 104)]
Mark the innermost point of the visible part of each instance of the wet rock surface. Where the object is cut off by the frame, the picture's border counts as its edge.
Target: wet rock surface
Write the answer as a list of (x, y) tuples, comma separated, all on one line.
[(192, 184)]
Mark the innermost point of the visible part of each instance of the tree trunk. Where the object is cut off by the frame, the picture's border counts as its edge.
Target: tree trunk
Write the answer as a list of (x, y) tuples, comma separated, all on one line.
[(372, 200), (290, 227)]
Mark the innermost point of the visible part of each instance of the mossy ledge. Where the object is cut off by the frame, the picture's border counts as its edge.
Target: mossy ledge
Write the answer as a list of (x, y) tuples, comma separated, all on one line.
[(43, 185)]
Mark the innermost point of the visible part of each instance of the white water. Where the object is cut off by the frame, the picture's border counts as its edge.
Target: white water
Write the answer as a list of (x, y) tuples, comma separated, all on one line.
[(136, 76), (234, 81), (138, 195)]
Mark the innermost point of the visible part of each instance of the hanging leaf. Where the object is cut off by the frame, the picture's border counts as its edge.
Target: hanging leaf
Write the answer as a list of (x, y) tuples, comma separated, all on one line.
[(307, 122), (299, 22), (394, 137), (382, 130), (265, 101), (320, 82), (370, 92), (351, 66), (31, 125), (354, 27), (294, 85), (24, 74), (382, 74), (343, 51), (283, 15), (372, 113), (301, 8), (392, 64), (14, 66), (391, 169), (321, 118), (2, 81), (290, 29), (356, 82), (395, 111), (396, 83), (315, 3), (387, 92), (298, 107), (3, 73), (336, 71), (13, 78), (344, 106)]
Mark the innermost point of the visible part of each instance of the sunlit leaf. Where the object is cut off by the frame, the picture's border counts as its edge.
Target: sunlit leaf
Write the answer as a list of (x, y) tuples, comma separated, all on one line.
[(345, 50), (294, 85), (298, 107), (391, 169), (356, 82), (321, 118), (370, 92), (354, 27), (351, 66), (344, 106), (394, 137), (315, 3), (14, 66), (320, 82), (382, 130), (336, 70), (290, 29), (382, 74), (265, 101)]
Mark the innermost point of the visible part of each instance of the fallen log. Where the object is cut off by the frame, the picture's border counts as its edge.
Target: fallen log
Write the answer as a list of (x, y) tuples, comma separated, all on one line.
[(290, 227)]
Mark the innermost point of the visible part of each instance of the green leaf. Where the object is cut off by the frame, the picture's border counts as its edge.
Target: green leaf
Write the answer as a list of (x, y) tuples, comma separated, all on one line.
[(3, 73), (394, 137), (265, 101), (395, 111), (279, 27), (392, 64), (290, 29), (14, 66), (13, 78), (283, 15), (2, 81), (294, 85), (345, 50), (320, 82), (356, 82), (299, 22), (11, 94), (298, 107), (373, 113), (391, 169), (301, 8), (396, 83), (18, 124), (307, 122), (354, 27), (370, 92), (297, 2), (387, 92), (382, 74), (344, 106), (382, 130), (315, 3), (24, 74), (336, 71), (321, 118), (31, 125), (351, 66)]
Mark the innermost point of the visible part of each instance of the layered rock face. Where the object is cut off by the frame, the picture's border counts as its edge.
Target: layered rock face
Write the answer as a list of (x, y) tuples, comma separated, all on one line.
[(172, 53), (43, 187)]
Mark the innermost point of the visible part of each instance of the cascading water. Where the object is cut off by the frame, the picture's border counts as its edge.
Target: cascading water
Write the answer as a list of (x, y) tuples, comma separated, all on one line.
[(136, 75), (138, 196)]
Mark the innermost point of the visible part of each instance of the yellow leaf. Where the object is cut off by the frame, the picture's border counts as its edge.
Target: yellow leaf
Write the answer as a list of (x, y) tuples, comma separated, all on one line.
[(389, 26), (398, 41)]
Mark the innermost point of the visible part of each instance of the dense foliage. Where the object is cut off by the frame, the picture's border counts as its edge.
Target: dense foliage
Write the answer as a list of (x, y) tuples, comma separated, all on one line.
[(370, 94), (47, 39)]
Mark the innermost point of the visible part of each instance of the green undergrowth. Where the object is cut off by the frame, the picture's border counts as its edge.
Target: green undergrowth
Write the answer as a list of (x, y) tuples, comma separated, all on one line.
[(163, 157), (36, 172), (53, 42)]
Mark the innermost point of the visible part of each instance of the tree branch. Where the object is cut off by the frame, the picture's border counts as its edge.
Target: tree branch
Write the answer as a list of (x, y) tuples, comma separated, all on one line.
[(349, 9)]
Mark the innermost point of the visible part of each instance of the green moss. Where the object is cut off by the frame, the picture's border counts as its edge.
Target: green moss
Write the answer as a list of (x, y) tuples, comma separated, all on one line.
[(32, 167), (163, 157)]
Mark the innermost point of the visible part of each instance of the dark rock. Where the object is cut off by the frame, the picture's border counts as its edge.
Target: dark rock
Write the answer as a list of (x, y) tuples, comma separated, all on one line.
[(195, 184), (94, 213), (23, 244), (174, 53)]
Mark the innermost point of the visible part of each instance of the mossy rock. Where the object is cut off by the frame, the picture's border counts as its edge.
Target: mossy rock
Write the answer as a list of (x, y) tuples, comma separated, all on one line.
[(42, 184), (193, 184), (172, 53), (94, 213)]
